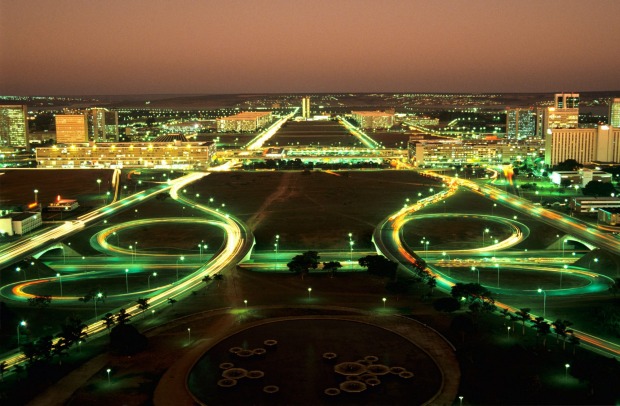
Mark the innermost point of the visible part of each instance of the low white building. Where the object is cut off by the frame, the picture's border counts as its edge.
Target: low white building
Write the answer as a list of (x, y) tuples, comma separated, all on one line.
[(19, 223)]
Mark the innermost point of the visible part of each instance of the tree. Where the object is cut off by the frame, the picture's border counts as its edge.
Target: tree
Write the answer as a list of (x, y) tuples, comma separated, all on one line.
[(574, 340), (524, 315), (560, 327), (568, 165), (431, 283), (505, 313), (126, 339), (72, 331), (301, 264), (171, 301), (331, 267), (596, 188), (143, 304), (471, 292), (379, 265), (40, 301), (122, 317), (219, 278), (542, 328), (446, 304), (109, 321), (614, 288)]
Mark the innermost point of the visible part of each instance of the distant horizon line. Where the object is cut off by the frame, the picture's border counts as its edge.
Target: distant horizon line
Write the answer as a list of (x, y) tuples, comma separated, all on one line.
[(297, 93)]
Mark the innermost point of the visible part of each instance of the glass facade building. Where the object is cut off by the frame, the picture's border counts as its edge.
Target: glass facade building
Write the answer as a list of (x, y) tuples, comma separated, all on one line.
[(13, 126)]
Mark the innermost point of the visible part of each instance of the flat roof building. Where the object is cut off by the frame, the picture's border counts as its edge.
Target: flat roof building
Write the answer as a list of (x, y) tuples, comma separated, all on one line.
[(591, 204), (520, 123), (102, 124), (373, 120), (248, 121), (71, 128), (614, 112), (458, 152), (584, 145), (175, 154), (19, 223), (13, 126)]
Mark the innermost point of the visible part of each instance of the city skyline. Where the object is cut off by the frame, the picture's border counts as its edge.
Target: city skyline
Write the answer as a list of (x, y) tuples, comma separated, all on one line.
[(71, 48)]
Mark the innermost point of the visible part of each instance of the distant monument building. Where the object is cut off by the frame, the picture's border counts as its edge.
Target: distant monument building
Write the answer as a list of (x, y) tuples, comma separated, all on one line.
[(614, 112), (71, 128), (374, 120), (13, 126), (305, 107), (520, 123), (248, 121), (101, 124)]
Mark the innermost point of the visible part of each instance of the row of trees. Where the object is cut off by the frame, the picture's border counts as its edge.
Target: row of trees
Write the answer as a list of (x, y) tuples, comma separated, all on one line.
[(43, 351)]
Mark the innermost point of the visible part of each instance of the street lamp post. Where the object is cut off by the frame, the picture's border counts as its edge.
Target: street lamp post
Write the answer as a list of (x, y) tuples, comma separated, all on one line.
[(108, 371), (544, 302), (563, 242), (180, 259), (473, 268), (443, 254), (486, 230), (126, 280), (99, 184), (19, 326), (131, 249), (277, 245), (18, 270), (148, 280), (309, 293), (59, 276), (508, 331), (564, 268), (98, 296), (351, 249), (189, 336), (497, 265), (595, 261), (566, 366), (36, 196), (245, 302), (384, 300)]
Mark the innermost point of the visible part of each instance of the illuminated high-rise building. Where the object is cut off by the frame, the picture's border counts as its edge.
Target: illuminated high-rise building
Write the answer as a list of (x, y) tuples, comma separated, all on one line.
[(567, 100), (614, 113), (520, 123), (102, 123), (564, 114), (13, 126), (71, 128), (305, 107)]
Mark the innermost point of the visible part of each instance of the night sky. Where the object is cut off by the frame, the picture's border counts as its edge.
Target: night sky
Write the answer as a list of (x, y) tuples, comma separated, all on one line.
[(72, 47)]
